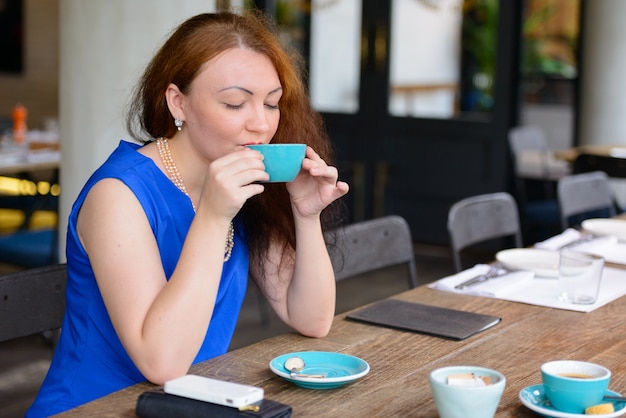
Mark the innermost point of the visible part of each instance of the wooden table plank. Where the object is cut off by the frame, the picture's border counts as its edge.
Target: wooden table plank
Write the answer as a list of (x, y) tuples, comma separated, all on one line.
[(400, 361)]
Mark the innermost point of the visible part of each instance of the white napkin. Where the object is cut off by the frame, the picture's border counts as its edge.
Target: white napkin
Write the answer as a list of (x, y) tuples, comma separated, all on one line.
[(539, 291), (559, 241), (496, 287), (544, 291), (608, 247)]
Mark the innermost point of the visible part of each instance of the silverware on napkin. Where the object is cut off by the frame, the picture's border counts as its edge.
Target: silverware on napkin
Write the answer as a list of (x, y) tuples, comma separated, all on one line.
[(495, 270)]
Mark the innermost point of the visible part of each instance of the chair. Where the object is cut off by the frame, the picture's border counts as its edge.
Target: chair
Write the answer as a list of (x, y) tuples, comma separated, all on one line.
[(531, 157), (613, 166), (32, 301), (362, 247), (583, 196), (482, 218), (371, 245), (535, 165), (30, 245)]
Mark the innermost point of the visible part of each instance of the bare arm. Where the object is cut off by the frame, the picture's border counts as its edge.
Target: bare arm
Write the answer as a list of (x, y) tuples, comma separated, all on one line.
[(302, 293), (161, 324)]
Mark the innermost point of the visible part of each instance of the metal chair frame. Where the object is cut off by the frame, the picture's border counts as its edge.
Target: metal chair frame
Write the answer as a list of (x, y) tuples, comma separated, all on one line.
[(584, 195), (371, 245), (481, 218), (539, 214)]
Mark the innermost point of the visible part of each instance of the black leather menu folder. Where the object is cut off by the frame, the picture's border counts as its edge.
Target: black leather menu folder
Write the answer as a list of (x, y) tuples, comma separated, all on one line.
[(432, 320)]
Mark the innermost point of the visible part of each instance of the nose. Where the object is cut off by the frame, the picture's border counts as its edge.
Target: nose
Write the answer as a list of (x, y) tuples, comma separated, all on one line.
[(259, 119)]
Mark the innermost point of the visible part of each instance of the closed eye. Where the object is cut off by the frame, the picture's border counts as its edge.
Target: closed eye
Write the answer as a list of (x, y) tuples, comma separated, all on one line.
[(240, 106)]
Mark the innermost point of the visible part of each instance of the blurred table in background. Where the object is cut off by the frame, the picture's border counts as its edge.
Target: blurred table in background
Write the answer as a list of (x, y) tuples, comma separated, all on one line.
[(30, 162), (609, 150), (29, 196)]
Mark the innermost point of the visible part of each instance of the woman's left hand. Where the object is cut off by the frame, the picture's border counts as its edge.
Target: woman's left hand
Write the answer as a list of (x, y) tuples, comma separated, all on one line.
[(316, 186)]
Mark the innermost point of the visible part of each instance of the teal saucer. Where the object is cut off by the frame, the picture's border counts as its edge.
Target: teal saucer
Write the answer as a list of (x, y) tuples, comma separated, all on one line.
[(534, 397), (339, 369)]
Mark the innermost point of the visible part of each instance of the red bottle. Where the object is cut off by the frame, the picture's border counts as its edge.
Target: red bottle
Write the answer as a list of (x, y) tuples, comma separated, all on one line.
[(19, 115)]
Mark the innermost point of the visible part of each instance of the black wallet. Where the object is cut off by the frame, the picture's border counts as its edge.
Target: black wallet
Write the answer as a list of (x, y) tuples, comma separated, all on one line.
[(426, 319), (158, 404)]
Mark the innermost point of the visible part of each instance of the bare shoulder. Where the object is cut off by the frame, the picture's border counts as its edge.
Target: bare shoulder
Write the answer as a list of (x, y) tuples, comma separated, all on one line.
[(109, 206), (108, 196)]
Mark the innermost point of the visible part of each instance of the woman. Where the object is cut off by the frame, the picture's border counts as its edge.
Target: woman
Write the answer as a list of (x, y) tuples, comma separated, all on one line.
[(162, 237)]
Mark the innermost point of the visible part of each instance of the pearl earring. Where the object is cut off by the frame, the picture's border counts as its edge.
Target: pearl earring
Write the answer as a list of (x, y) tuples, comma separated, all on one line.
[(179, 124)]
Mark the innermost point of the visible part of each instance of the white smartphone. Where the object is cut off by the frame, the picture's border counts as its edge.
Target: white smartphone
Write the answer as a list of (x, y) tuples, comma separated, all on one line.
[(215, 391)]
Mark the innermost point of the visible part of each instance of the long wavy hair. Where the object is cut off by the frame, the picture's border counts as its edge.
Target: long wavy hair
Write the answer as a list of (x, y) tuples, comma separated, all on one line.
[(267, 217)]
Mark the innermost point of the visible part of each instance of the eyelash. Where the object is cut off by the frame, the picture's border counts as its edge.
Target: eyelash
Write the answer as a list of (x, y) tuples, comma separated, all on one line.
[(240, 106)]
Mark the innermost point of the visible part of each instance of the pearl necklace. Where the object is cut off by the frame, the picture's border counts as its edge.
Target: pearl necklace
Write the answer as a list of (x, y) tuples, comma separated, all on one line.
[(174, 175)]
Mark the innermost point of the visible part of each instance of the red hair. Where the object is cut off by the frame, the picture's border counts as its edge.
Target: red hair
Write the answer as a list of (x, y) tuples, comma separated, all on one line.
[(196, 41)]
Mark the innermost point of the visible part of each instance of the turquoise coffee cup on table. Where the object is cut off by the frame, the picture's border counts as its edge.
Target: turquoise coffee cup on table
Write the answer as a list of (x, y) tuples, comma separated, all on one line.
[(572, 386), (282, 161), (454, 401)]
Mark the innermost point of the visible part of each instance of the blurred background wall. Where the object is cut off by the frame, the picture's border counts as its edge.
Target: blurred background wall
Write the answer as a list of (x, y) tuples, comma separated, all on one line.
[(38, 85)]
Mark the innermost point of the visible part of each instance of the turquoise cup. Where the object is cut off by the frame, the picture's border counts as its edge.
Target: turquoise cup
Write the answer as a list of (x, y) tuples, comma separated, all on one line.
[(282, 161), (462, 401), (572, 386)]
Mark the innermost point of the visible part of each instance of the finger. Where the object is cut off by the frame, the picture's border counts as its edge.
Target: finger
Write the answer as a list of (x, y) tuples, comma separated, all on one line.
[(327, 172), (243, 153), (252, 190), (313, 157), (242, 170), (343, 187)]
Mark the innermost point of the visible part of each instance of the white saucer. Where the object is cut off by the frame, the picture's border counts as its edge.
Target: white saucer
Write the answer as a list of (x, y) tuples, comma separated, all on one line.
[(544, 263), (533, 397)]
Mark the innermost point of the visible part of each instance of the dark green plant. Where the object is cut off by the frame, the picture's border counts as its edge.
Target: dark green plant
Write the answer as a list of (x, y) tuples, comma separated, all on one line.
[(480, 26), (479, 32), (534, 60)]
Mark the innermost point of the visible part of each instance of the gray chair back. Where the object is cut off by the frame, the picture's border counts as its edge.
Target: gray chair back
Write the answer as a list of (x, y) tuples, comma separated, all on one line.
[(371, 245), (480, 218), (526, 137), (32, 301), (584, 193)]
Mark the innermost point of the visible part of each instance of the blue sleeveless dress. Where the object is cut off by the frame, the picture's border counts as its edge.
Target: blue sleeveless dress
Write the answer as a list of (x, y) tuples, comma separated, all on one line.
[(90, 361)]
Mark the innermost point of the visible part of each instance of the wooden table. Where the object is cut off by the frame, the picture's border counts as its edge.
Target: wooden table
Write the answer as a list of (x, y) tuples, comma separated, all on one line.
[(608, 150), (19, 166), (397, 385)]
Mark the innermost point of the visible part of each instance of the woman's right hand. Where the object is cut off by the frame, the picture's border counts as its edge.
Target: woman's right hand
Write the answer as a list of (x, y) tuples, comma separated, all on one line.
[(231, 180)]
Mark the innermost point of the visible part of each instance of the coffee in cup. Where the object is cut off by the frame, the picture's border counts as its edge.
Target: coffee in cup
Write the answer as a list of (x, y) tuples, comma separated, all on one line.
[(572, 386)]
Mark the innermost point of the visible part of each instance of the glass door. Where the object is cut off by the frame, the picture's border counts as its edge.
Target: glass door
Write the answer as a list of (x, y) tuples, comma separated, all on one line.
[(417, 97), (335, 55), (549, 68)]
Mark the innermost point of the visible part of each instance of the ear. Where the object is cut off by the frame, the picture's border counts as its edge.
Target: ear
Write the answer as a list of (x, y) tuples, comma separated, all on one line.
[(175, 99)]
